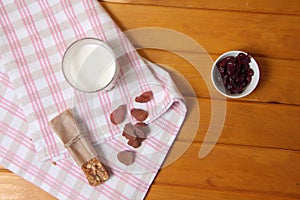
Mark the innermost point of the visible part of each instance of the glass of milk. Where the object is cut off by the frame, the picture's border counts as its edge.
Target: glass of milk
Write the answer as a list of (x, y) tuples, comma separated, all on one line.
[(89, 65)]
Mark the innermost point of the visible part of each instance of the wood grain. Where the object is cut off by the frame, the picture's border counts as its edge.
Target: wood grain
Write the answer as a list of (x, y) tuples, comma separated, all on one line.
[(280, 72), (267, 35), (264, 6), (161, 191), (250, 124), (237, 168), (228, 169), (14, 187), (258, 152)]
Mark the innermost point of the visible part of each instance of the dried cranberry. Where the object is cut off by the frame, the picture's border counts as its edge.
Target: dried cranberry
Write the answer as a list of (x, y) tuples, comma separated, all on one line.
[(240, 89), (235, 72), (250, 72), (222, 62), (248, 79), (221, 70), (240, 79)]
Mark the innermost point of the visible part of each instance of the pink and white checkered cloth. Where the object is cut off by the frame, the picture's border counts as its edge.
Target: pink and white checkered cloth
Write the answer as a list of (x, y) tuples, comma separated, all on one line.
[(34, 36)]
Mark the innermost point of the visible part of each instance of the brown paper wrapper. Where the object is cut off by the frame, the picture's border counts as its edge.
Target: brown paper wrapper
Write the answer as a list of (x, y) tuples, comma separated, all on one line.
[(77, 143)]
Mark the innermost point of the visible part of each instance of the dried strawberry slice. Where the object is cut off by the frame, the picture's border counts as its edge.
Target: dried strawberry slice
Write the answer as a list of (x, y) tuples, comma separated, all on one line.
[(144, 97), (139, 114), (118, 115)]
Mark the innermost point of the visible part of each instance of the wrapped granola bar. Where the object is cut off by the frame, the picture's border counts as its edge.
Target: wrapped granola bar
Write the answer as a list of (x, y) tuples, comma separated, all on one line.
[(77, 143)]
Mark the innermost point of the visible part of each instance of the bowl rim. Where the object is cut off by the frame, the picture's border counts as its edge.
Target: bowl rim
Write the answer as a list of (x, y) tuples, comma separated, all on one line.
[(253, 66)]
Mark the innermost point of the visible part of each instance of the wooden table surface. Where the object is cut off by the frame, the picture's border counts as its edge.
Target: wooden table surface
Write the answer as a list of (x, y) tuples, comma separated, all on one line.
[(258, 153)]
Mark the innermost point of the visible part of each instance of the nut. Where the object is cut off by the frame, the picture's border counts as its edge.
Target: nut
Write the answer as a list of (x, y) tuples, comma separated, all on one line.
[(95, 172)]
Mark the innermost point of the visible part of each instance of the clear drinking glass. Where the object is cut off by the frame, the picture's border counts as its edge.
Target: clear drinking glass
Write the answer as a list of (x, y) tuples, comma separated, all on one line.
[(89, 65)]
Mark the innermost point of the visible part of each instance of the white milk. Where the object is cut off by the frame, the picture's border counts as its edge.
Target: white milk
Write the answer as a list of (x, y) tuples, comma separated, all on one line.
[(89, 66)]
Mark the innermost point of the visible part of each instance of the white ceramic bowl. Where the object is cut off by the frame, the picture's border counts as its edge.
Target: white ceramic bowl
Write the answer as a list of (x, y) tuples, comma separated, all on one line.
[(220, 87)]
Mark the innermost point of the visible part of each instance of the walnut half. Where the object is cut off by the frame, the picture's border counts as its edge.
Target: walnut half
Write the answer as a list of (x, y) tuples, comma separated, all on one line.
[(95, 172)]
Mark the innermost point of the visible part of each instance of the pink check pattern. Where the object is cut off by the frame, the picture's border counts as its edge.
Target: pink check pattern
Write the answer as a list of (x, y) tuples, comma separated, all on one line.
[(34, 36)]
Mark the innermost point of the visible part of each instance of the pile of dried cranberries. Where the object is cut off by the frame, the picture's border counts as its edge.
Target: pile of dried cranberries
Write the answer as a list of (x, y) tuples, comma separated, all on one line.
[(235, 73)]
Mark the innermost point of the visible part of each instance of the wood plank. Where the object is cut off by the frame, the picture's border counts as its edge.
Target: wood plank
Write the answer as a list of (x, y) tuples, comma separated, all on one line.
[(237, 168), (17, 188), (250, 124), (4, 170), (14, 187), (282, 133), (158, 191), (228, 171), (263, 133), (266, 35), (264, 6), (280, 72)]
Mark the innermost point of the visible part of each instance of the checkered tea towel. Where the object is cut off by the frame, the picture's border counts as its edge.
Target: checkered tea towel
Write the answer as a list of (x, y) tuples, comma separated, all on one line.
[(34, 36)]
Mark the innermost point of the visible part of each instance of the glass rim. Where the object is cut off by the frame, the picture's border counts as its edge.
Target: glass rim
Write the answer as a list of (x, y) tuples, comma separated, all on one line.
[(72, 45)]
